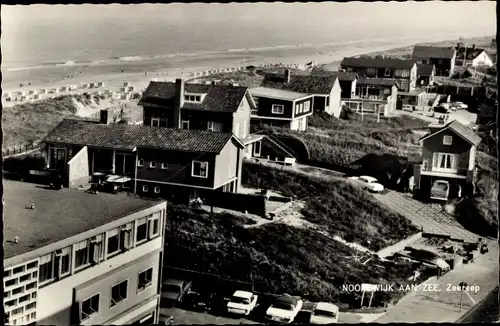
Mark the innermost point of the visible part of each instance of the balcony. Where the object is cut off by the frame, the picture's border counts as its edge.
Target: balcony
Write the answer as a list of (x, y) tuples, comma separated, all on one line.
[(368, 98), (435, 171)]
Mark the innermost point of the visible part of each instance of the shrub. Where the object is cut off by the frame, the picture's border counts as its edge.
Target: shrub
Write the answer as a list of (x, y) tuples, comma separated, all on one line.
[(22, 164)]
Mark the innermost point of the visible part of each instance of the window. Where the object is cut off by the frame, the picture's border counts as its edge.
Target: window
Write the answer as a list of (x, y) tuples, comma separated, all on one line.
[(185, 124), (277, 109), (154, 225), (18, 270), (296, 109), (145, 188), (199, 169), (444, 162), (192, 98), (447, 140), (24, 298), (307, 106), (31, 265), (96, 252), (405, 73), (125, 236), (141, 233), (11, 282), (387, 72), (46, 268), (140, 162), (18, 290), (113, 241), (371, 71), (155, 122), (31, 285), (62, 262), (164, 166), (301, 110), (118, 293), (90, 307), (81, 254), (152, 165), (214, 126), (145, 279), (25, 278), (157, 190)]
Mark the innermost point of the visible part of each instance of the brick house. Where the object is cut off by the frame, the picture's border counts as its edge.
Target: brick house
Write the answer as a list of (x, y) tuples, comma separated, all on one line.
[(448, 157), (325, 90), (173, 163), (404, 72), (442, 58), (213, 107)]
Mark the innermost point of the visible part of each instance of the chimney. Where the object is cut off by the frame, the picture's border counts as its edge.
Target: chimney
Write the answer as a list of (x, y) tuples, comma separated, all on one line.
[(287, 76), (179, 102), (473, 46), (104, 117)]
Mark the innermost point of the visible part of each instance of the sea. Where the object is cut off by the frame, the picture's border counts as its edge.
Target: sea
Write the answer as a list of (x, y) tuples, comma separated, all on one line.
[(45, 36)]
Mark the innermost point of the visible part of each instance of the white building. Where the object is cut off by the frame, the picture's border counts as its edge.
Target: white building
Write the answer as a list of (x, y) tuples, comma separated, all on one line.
[(74, 258)]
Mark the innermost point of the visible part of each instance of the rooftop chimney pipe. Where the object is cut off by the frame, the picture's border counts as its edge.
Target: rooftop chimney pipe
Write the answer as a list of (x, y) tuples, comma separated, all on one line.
[(179, 102)]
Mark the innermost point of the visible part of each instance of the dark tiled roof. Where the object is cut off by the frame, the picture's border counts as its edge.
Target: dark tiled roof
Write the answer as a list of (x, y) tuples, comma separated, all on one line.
[(425, 70), (58, 214), (420, 51), (376, 81), (388, 63), (459, 129), (342, 75), (471, 53), (301, 84), (127, 137), (220, 98)]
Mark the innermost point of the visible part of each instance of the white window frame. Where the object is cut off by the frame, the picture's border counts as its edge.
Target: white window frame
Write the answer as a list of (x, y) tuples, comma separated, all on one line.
[(140, 289), (145, 188), (52, 276), (199, 176), (404, 73), (151, 219), (210, 125), (438, 157), (157, 120), (275, 107), (152, 165), (64, 252), (307, 106), (145, 218), (387, 72), (371, 71), (157, 189), (88, 257), (164, 166), (297, 108), (447, 140), (118, 233), (95, 311), (111, 304), (185, 122), (140, 162)]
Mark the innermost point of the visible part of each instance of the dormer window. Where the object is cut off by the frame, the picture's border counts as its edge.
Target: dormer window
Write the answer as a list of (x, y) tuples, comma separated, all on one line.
[(197, 98), (447, 140), (387, 72)]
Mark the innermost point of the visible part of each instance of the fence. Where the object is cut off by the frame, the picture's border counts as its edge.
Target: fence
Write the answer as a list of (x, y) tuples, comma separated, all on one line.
[(20, 149)]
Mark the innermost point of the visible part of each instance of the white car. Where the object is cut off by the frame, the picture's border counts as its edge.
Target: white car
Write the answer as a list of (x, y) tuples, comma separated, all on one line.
[(324, 313), (368, 183), (284, 309), (461, 105), (242, 303), (408, 107)]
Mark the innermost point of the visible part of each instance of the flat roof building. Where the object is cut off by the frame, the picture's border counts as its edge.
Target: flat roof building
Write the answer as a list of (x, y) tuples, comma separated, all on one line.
[(71, 257)]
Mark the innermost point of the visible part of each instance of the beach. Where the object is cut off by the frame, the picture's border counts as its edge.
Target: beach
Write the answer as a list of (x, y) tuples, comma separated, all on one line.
[(139, 72)]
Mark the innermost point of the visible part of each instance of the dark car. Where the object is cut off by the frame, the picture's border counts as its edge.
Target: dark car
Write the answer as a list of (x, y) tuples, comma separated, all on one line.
[(173, 291), (199, 301)]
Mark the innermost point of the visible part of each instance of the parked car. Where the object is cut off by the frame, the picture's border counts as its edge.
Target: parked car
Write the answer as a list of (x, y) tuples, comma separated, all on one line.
[(173, 291), (201, 301), (442, 109), (284, 309), (369, 183), (325, 313), (165, 318), (440, 190), (242, 303), (461, 105), (408, 107)]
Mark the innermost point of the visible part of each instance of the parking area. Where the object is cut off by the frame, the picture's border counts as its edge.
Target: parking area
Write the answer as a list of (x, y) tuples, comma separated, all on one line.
[(430, 217)]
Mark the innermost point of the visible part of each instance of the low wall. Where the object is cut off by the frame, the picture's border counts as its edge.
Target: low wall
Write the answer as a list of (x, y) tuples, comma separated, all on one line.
[(398, 246), (253, 204)]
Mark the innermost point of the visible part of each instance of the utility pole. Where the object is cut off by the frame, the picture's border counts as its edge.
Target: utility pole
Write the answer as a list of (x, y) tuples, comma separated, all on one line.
[(462, 286)]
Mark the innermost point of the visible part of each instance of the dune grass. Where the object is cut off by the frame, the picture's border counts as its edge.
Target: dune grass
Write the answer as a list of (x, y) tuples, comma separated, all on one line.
[(277, 258)]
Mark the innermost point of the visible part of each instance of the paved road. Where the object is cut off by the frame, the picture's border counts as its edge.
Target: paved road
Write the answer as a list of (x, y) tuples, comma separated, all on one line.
[(444, 306)]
